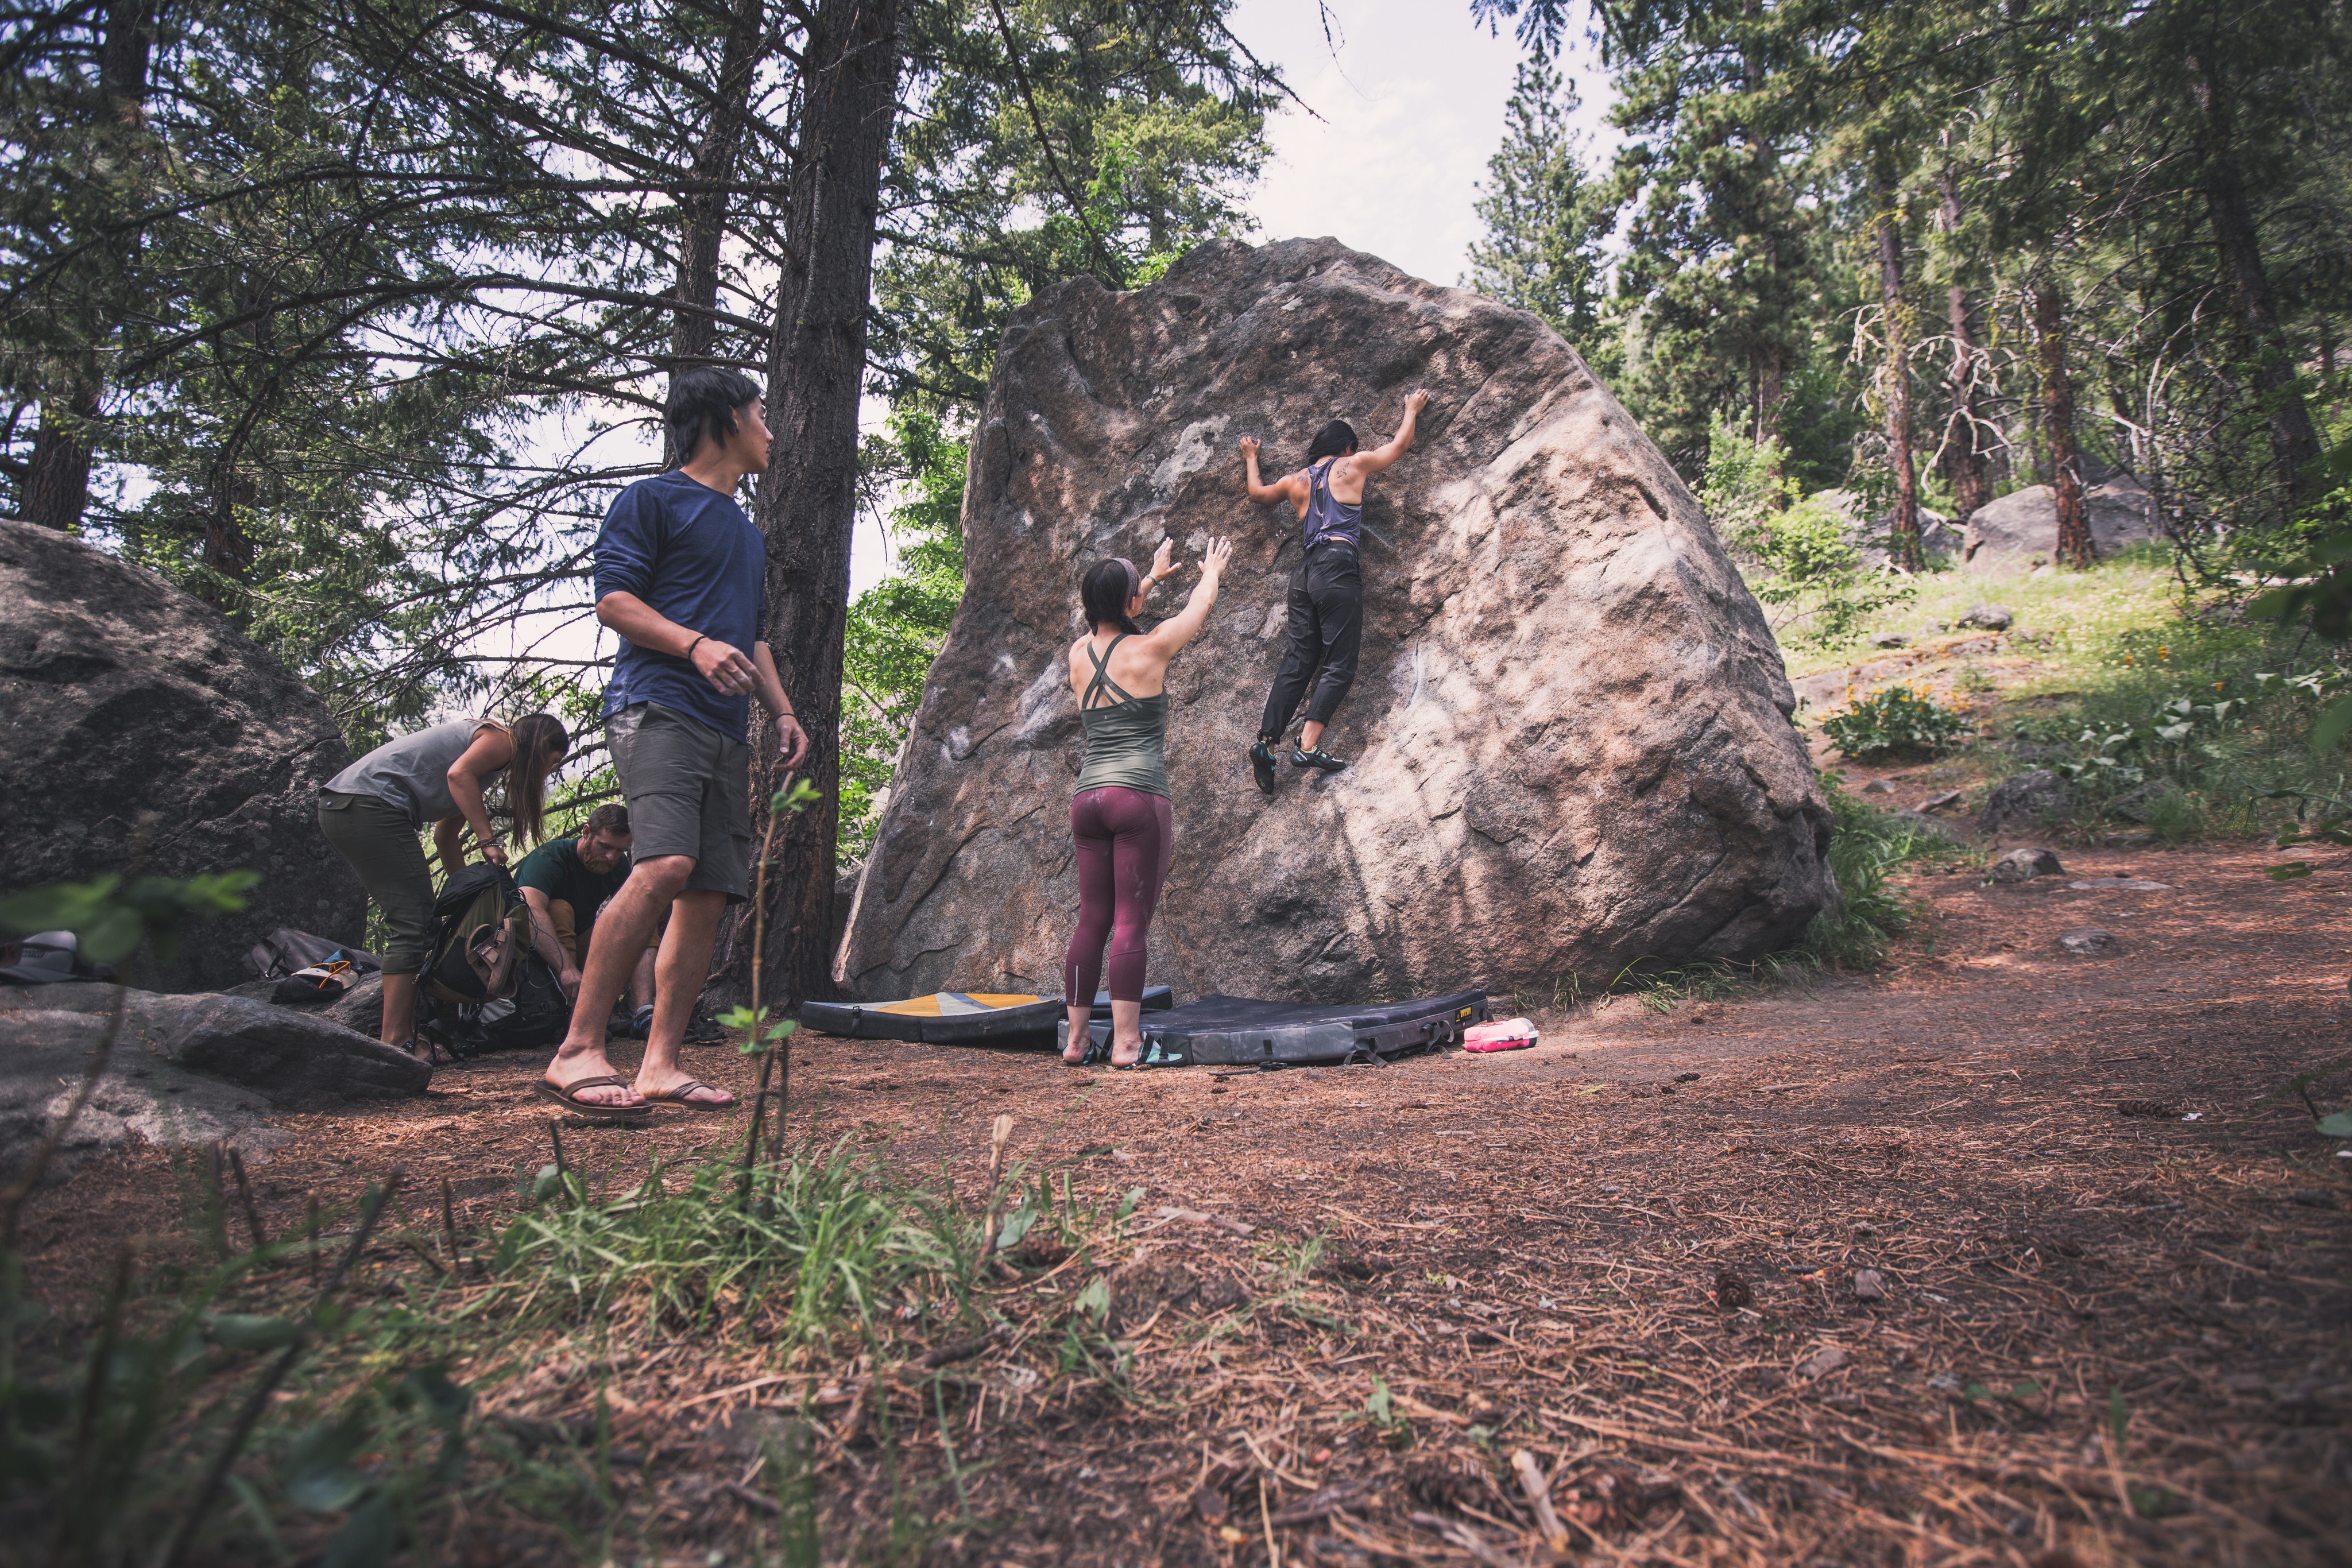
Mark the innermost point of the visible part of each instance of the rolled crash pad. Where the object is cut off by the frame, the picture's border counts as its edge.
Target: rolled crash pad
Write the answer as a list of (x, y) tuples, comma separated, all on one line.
[(1241, 1031), (959, 1018)]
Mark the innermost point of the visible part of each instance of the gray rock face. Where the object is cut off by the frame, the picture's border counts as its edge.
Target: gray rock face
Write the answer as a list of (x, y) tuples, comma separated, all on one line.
[(2027, 801), (286, 1056), (1991, 617), (2012, 532), (2024, 865), (43, 1059), (125, 695), (1569, 736)]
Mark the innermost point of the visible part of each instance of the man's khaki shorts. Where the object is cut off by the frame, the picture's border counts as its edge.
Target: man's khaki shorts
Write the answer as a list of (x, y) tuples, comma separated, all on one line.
[(689, 789)]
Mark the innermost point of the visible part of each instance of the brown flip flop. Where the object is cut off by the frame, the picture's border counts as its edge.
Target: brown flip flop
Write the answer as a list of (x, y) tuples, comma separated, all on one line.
[(678, 1097), (568, 1096)]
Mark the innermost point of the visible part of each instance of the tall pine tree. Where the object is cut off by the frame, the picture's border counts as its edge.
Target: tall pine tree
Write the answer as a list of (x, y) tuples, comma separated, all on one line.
[(1547, 219)]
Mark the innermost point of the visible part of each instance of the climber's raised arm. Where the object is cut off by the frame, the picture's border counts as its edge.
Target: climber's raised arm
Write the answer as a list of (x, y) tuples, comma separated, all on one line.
[(1290, 487), (1380, 458)]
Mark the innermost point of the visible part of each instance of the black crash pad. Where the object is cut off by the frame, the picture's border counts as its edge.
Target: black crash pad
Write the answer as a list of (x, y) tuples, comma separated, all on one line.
[(1243, 1031), (957, 1018)]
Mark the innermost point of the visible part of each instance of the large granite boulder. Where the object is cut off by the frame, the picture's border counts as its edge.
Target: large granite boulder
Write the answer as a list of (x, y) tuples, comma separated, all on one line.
[(2020, 530), (1570, 732), (124, 694)]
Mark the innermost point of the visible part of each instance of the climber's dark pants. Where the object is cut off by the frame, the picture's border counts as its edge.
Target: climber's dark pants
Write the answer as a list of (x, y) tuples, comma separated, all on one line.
[(1326, 631)]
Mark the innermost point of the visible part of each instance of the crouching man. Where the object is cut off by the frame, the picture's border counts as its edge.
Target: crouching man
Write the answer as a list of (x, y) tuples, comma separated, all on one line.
[(566, 882)]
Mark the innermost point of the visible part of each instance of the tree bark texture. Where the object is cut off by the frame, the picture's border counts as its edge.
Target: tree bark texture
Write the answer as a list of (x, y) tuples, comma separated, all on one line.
[(2293, 442), (2074, 547), (1903, 530), (702, 212), (1767, 367), (57, 477), (1964, 457), (807, 500)]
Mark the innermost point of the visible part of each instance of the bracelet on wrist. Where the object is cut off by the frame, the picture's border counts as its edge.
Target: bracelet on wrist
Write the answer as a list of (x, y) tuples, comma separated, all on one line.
[(690, 647)]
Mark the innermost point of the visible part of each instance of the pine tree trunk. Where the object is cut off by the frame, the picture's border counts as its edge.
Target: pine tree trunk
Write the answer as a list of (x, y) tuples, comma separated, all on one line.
[(2074, 544), (807, 500), (1903, 529), (1767, 369), (57, 477), (2293, 442), (56, 489), (1964, 458), (702, 212)]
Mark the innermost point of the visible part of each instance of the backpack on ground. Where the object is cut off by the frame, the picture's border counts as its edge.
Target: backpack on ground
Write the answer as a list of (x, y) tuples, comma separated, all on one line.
[(534, 1013), (482, 930), (287, 951)]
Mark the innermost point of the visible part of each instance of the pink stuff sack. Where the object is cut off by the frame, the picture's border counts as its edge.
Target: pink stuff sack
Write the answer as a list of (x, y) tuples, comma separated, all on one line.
[(1505, 1034)]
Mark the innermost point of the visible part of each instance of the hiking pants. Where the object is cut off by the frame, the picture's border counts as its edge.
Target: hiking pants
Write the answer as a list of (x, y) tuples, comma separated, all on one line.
[(1125, 840), (380, 841), (1327, 632)]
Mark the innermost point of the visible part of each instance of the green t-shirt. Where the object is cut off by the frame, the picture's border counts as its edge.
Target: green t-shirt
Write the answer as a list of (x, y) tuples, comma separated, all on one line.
[(556, 869)]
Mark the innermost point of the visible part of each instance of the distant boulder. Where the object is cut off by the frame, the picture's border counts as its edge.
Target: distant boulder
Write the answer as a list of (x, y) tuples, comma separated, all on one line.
[(2023, 526), (125, 695), (1937, 535)]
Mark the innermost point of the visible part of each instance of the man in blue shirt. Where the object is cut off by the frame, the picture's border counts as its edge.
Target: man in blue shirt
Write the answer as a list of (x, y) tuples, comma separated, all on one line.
[(681, 578)]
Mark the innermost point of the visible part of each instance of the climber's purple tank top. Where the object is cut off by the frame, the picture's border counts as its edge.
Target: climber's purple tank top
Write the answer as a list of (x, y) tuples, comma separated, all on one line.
[(1328, 516)]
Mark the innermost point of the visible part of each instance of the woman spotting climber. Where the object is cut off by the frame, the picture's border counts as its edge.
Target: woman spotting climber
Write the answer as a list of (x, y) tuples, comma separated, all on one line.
[(372, 810), (1120, 818), (1326, 588)]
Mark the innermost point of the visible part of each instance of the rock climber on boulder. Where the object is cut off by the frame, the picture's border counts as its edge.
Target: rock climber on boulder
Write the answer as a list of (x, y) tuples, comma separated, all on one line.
[(1326, 590)]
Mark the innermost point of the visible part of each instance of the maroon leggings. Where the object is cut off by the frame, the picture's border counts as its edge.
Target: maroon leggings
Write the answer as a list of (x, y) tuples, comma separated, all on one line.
[(1125, 841)]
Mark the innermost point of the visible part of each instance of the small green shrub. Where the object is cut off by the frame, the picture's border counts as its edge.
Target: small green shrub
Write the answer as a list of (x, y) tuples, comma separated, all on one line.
[(1866, 846), (1896, 719), (1799, 557), (2176, 816)]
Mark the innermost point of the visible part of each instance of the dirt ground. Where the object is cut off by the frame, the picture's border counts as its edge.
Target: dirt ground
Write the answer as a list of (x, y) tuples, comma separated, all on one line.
[(2112, 1261)]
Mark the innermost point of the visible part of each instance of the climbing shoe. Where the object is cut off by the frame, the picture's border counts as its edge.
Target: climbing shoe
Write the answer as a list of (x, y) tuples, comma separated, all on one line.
[(1262, 764), (1318, 757)]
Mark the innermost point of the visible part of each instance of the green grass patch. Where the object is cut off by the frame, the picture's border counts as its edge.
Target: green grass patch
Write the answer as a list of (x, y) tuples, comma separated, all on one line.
[(383, 1387)]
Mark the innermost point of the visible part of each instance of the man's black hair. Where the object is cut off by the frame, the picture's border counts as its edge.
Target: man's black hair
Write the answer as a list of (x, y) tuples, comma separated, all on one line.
[(1336, 439), (703, 402)]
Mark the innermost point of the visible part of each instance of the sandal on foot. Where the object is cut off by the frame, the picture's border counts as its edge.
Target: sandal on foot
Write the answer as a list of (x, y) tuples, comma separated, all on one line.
[(568, 1096), (678, 1096)]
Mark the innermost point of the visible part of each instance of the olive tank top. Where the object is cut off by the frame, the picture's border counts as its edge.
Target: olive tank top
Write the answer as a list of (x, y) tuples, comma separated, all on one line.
[(411, 774), (1125, 737)]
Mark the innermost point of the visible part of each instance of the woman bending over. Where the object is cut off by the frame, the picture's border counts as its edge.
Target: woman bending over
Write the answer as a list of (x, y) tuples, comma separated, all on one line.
[(1120, 818), (372, 811)]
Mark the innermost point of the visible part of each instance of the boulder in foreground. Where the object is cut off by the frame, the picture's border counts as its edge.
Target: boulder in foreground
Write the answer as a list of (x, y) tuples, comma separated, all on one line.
[(284, 1055), (1570, 732), (46, 1054)]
